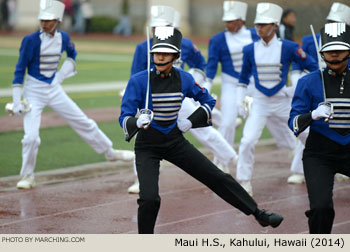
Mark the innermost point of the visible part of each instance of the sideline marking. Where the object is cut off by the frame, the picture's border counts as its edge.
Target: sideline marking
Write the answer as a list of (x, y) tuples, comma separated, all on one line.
[(80, 56)]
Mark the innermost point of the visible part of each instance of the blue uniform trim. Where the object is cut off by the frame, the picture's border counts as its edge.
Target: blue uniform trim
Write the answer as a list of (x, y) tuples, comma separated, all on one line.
[(125, 129), (207, 109)]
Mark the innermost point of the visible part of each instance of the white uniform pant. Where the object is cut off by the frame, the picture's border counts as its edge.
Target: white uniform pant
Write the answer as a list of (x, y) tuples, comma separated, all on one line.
[(41, 95), (275, 110), (228, 109), (208, 136), (229, 112)]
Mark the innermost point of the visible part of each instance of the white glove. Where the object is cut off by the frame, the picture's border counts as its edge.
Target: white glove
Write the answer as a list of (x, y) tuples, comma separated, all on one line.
[(58, 79), (184, 125), (18, 107), (322, 111), (144, 119), (245, 107), (242, 111), (241, 92)]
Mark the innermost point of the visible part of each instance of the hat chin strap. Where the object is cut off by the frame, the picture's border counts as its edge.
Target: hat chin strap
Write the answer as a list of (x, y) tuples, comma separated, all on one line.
[(271, 30), (166, 63), (54, 27), (163, 64), (335, 62)]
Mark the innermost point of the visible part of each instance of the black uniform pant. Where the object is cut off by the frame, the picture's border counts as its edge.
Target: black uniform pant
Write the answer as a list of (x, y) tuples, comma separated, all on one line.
[(319, 176), (151, 146)]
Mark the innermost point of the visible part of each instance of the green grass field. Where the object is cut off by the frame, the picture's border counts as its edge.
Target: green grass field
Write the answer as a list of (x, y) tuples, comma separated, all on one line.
[(90, 68), (97, 61)]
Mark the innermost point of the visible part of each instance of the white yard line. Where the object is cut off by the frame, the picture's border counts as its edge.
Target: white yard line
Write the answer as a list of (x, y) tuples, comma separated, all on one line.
[(81, 56), (80, 88), (85, 88)]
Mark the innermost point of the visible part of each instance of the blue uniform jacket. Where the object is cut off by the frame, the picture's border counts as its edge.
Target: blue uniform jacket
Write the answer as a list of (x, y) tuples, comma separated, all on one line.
[(290, 54), (29, 56), (308, 95), (218, 52), (135, 98)]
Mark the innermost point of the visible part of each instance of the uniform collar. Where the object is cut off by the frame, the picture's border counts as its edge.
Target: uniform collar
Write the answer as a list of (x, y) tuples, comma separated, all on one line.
[(335, 74), (272, 41), (243, 28), (48, 35), (162, 75)]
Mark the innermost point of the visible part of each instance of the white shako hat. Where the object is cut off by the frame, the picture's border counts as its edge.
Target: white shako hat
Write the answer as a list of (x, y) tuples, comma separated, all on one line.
[(268, 13), (234, 10), (166, 39), (51, 10), (161, 16), (177, 19), (335, 37), (339, 13)]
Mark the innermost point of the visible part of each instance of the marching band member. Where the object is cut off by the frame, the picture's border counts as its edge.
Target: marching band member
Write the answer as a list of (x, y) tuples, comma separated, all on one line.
[(226, 48), (268, 60), (338, 13), (209, 137), (162, 95), (40, 55), (322, 101)]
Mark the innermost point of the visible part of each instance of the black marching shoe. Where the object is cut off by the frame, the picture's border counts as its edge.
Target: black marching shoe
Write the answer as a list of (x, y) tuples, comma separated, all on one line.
[(266, 218)]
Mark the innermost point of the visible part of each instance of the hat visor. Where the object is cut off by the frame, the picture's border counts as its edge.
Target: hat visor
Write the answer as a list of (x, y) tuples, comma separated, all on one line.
[(231, 18), (156, 23), (163, 50), (337, 19), (46, 16), (265, 20), (335, 47)]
